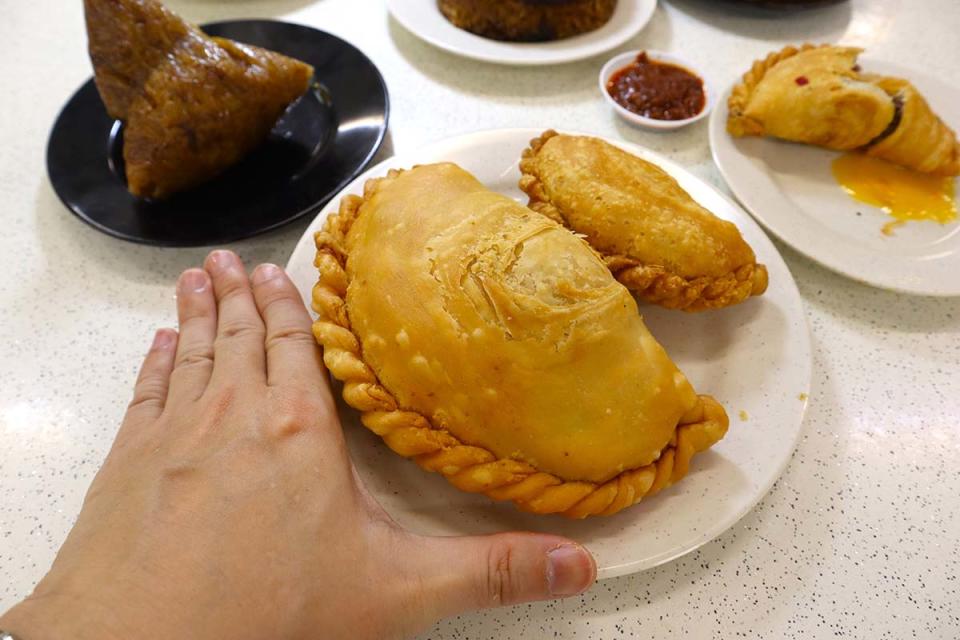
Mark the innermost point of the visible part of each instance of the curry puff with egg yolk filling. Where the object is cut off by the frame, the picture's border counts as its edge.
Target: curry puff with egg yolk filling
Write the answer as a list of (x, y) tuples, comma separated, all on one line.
[(817, 94), (491, 345), (655, 238)]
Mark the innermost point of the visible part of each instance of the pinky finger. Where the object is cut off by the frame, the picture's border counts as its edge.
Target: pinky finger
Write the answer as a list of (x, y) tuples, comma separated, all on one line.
[(150, 391)]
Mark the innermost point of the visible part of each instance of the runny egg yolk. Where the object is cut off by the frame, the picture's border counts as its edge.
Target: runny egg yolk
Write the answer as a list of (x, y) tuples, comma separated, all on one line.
[(904, 194)]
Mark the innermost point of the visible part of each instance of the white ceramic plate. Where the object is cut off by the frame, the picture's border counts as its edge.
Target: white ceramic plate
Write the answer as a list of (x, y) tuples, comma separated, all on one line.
[(423, 19), (790, 190), (754, 357)]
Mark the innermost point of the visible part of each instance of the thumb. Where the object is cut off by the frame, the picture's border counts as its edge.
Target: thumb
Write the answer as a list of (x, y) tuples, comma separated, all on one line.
[(477, 572)]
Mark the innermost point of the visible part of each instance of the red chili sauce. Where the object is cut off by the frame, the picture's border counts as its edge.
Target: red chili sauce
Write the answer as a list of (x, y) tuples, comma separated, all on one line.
[(657, 90)]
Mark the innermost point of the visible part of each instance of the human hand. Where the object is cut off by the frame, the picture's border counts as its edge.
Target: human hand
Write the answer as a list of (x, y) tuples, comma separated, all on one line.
[(228, 506)]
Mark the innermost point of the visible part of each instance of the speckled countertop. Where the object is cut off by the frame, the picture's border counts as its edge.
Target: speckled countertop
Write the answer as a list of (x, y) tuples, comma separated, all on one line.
[(859, 538)]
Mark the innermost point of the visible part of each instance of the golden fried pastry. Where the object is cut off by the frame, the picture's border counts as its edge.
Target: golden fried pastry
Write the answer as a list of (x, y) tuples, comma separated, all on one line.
[(652, 235), (818, 95), (192, 105), (918, 139), (491, 345), (811, 95), (527, 20)]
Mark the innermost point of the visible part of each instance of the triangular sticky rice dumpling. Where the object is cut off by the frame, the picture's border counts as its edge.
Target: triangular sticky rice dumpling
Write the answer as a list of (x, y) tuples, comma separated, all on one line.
[(193, 105)]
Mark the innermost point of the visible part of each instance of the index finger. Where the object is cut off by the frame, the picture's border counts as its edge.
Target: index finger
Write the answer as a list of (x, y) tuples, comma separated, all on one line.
[(293, 356)]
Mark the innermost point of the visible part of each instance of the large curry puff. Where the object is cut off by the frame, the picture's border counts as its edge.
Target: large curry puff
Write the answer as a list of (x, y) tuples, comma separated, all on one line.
[(490, 344)]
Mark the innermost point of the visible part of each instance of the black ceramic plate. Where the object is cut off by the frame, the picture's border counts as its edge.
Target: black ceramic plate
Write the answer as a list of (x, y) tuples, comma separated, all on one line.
[(321, 143)]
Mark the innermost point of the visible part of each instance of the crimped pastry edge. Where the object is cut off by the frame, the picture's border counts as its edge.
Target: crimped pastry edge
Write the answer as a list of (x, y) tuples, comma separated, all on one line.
[(471, 468), (653, 283), (738, 124)]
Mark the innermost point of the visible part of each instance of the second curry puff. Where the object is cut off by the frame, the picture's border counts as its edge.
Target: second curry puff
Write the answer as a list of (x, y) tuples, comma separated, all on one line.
[(656, 239), (492, 345)]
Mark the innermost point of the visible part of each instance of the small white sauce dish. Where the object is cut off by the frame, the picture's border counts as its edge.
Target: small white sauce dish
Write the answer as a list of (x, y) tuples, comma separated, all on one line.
[(629, 57)]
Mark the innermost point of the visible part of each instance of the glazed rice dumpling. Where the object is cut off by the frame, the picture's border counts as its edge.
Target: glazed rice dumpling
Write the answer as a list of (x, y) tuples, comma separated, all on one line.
[(192, 105)]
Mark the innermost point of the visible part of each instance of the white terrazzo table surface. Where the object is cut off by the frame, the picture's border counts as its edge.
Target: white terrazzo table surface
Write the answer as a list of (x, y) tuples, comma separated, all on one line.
[(858, 539)]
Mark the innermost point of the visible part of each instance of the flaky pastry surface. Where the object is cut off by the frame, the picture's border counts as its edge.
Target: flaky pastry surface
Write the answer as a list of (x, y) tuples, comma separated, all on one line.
[(810, 94), (489, 344), (920, 141), (654, 237), (817, 94)]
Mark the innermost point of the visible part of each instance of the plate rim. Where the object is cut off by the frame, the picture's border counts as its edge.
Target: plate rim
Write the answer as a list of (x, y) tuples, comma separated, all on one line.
[(305, 242), (716, 128), (505, 51), (313, 208)]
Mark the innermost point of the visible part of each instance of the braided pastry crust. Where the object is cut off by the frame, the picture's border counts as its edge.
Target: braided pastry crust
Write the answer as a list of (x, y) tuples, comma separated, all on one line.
[(654, 282), (738, 124), (472, 468)]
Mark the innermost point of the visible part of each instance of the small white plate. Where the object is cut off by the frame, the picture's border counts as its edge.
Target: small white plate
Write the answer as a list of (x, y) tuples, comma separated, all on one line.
[(423, 19), (754, 357), (627, 58), (790, 190)]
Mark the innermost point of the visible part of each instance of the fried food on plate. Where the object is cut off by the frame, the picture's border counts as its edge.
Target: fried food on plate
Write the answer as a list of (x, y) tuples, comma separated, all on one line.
[(527, 20), (817, 94), (920, 140), (192, 105), (491, 345), (653, 236)]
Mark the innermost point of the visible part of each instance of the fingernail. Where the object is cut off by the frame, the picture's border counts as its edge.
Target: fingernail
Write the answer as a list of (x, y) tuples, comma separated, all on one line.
[(193, 281), (569, 570), (265, 272), (162, 340), (222, 259)]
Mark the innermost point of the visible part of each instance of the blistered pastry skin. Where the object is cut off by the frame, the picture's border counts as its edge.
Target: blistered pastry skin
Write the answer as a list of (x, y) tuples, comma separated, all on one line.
[(492, 346), (653, 236)]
